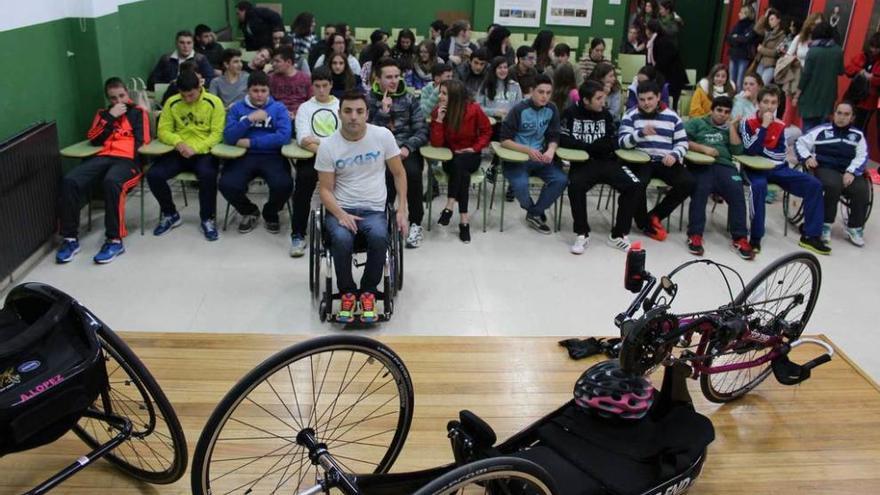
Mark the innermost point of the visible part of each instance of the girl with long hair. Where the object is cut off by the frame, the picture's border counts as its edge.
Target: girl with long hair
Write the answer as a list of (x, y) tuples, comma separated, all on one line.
[(717, 83), (424, 62), (564, 87), (606, 75), (498, 45), (499, 92), (404, 50), (459, 124), (344, 79), (543, 45)]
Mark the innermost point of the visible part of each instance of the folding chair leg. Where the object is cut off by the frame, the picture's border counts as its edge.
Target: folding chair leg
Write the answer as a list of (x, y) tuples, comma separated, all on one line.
[(142, 203), (183, 187), (484, 189), (428, 199), (601, 192), (503, 200), (89, 209), (681, 215), (226, 218)]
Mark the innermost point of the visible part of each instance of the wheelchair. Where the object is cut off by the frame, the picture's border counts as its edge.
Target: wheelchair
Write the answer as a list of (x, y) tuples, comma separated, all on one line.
[(321, 263), (63, 369), (793, 206)]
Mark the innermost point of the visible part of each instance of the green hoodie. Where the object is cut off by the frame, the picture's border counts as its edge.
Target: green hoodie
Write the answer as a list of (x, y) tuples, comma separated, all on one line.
[(703, 131)]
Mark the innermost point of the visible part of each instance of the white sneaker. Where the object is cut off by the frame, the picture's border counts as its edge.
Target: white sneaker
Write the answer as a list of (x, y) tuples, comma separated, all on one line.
[(621, 243), (826, 233), (856, 236), (580, 243), (414, 239)]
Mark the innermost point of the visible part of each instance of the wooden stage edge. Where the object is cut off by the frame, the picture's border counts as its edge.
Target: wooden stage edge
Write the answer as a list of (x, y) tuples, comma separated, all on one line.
[(821, 437)]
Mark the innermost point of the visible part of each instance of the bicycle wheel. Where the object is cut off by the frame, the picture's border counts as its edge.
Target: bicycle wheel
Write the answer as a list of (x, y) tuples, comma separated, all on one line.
[(156, 451), (354, 392), (773, 290), (495, 476)]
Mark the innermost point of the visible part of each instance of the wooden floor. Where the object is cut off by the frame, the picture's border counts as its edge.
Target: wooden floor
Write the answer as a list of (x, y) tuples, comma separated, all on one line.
[(822, 437)]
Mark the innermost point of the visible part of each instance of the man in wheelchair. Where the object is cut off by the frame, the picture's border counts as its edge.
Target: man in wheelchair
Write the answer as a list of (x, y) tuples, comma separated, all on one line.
[(351, 174), (836, 153)]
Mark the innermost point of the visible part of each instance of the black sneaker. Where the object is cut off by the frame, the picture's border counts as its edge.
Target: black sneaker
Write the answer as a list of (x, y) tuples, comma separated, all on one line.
[(814, 244), (445, 216), (464, 232), (273, 227), (508, 196), (756, 246), (536, 223), (248, 223)]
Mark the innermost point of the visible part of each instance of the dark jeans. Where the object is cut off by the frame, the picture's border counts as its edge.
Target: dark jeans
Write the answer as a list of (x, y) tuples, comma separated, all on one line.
[(554, 178), (415, 197), (857, 192), (681, 184), (374, 227), (168, 166), (303, 189), (795, 182), (117, 176), (238, 173), (725, 181), (584, 175), (459, 171)]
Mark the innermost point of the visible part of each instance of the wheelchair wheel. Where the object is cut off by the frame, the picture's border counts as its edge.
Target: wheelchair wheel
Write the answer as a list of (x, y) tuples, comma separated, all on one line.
[(354, 392), (398, 237), (793, 208), (790, 283), (156, 451), (496, 476), (314, 255), (325, 307), (845, 204)]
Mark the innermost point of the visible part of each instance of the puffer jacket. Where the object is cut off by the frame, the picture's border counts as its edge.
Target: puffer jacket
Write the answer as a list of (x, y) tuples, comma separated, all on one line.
[(405, 120), (768, 50)]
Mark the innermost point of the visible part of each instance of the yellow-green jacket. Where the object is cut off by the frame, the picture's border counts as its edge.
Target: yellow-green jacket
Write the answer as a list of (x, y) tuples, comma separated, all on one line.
[(198, 124)]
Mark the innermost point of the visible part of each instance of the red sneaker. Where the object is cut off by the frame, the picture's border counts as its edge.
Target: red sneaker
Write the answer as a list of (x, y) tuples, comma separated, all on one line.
[(742, 247), (346, 309), (368, 307), (695, 244), (656, 230)]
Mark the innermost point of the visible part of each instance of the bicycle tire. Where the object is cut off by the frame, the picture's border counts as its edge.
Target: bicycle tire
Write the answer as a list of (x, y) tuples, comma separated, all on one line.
[(292, 361), (763, 281), (152, 400), (496, 475)]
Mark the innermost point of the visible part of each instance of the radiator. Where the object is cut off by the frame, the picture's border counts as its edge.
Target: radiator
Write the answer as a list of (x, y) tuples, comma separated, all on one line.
[(30, 173)]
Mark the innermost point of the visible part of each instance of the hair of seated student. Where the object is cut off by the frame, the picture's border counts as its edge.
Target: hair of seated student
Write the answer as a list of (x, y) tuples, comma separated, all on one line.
[(457, 27), (258, 78), (302, 24), (770, 89), (722, 101), (114, 82), (187, 81), (440, 69), (589, 88), (286, 53), (648, 87), (322, 74), (563, 82), (202, 29), (543, 79), (562, 50), (496, 39), (603, 69), (523, 51), (229, 54), (457, 99), (352, 95), (183, 34)]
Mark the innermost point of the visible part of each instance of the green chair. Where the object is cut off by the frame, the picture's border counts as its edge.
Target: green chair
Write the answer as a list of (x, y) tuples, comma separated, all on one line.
[(438, 176), (692, 78), (362, 34), (568, 156), (230, 44), (506, 155), (573, 42), (629, 66), (293, 152), (247, 56)]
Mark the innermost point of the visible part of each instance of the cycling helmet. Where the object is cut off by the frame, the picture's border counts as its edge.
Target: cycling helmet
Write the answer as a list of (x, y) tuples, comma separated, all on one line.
[(609, 391)]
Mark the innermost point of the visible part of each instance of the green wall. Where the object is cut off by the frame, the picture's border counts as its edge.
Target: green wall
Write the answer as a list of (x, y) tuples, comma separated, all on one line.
[(49, 84)]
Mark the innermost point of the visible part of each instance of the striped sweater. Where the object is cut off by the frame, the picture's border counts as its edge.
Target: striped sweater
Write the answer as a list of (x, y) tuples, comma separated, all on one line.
[(839, 148), (670, 137), (768, 142)]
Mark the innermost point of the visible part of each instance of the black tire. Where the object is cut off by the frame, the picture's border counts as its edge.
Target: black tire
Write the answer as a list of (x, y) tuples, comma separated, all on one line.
[(801, 269), (388, 296), (495, 476), (400, 250), (313, 255), (793, 208), (156, 452), (238, 417)]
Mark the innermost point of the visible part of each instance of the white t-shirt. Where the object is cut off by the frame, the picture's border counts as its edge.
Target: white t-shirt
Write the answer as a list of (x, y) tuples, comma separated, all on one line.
[(359, 167)]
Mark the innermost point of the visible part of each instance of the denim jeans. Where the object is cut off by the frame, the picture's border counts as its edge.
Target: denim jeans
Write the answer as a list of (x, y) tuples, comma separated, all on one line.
[(727, 182), (554, 179), (766, 73), (373, 226), (737, 71)]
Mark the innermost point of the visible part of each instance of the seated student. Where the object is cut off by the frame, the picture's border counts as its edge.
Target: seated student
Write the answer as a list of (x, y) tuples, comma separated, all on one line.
[(344, 80), (716, 135), (431, 92), (392, 106), (565, 89), (605, 74), (532, 127), (168, 67), (456, 47), (658, 131), (316, 120), (589, 126), (280, 37), (404, 50), (499, 92), (186, 66), (355, 197), (257, 24), (289, 85), (473, 73), (437, 30), (378, 51), (525, 73), (745, 104), (837, 154), (646, 73), (231, 87), (304, 40), (338, 44), (192, 122), (560, 55), (716, 84), (322, 45), (633, 44), (459, 124), (206, 44), (764, 135), (592, 58), (262, 126), (262, 57), (376, 37), (423, 65), (119, 130)]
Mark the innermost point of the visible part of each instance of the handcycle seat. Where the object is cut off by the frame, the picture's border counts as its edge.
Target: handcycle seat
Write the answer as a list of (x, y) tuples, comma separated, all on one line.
[(51, 368)]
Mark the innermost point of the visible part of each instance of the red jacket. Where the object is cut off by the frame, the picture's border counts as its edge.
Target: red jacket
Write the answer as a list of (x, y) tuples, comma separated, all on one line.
[(120, 137), (858, 64), (474, 131)]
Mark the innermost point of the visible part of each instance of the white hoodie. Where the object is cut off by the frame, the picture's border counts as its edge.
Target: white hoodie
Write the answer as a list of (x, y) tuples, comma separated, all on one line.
[(317, 119)]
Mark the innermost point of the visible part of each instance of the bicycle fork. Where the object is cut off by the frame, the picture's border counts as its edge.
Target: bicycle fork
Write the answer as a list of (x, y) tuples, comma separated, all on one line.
[(334, 476)]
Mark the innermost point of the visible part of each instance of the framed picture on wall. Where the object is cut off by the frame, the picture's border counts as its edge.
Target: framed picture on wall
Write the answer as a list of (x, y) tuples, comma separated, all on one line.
[(839, 13)]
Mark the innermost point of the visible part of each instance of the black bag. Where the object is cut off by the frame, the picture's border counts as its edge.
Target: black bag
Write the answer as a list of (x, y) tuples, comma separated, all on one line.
[(858, 90)]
